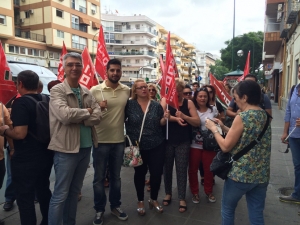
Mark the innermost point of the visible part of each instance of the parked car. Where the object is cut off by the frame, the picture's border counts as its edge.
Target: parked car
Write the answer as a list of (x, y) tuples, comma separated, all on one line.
[(7, 87)]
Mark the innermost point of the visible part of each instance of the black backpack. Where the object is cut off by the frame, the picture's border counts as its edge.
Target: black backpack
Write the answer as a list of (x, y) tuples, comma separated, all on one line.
[(42, 120)]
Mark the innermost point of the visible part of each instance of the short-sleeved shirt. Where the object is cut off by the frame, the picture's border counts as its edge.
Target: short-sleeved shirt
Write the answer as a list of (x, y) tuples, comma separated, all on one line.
[(254, 166), (85, 132), (111, 128), (152, 135), (23, 113)]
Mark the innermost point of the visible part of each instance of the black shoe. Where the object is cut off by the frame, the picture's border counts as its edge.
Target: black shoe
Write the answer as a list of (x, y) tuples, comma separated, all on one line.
[(2, 222), (289, 199), (8, 206)]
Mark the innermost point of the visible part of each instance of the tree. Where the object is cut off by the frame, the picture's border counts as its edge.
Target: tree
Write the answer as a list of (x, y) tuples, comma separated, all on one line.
[(218, 70), (252, 41)]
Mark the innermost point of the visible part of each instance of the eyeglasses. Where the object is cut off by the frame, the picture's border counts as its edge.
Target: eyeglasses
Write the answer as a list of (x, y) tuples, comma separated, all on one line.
[(187, 93), (141, 87), (77, 65), (152, 89)]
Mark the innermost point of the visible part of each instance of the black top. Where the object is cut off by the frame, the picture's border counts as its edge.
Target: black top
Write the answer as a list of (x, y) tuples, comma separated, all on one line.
[(177, 133), (23, 113), (152, 135), (219, 107)]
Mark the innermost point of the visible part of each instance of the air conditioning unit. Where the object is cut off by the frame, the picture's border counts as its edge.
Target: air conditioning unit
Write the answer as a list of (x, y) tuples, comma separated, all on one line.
[(93, 11), (22, 20), (31, 11), (80, 10)]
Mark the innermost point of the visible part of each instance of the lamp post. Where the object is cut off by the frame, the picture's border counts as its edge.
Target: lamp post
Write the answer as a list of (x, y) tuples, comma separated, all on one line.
[(94, 46)]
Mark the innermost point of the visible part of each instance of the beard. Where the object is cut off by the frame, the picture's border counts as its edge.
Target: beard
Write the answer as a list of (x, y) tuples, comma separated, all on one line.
[(113, 81)]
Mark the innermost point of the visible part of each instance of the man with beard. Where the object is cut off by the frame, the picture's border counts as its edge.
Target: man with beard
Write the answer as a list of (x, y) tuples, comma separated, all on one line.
[(112, 97)]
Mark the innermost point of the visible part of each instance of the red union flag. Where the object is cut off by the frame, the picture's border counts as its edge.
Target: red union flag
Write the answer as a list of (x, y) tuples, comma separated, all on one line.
[(220, 90), (60, 71), (102, 56), (246, 69), (88, 77), (168, 85)]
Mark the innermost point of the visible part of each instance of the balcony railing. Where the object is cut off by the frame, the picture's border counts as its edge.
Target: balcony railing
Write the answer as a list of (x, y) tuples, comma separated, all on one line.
[(145, 65), (139, 42), (283, 29), (272, 25), (29, 35), (80, 27), (133, 53), (293, 8), (78, 46), (17, 2)]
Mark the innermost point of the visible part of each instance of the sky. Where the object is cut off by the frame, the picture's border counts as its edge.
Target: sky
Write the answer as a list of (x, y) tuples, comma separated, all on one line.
[(205, 23)]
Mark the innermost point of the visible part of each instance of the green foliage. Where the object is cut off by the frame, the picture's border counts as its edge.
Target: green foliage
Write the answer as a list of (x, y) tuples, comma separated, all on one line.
[(218, 70), (252, 41)]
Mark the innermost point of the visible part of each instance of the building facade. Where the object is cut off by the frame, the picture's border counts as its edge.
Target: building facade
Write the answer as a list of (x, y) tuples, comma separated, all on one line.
[(33, 31), (204, 60)]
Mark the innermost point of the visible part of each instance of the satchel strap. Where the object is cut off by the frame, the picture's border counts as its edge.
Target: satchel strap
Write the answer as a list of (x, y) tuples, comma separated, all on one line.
[(144, 121), (253, 143), (130, 143)]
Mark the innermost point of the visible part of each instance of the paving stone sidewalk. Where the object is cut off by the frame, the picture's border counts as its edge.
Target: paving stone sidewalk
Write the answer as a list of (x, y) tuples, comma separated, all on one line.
[(276, 213)]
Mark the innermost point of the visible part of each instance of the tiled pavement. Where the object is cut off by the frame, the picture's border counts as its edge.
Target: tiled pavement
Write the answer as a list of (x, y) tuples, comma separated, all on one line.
[(276, 213)]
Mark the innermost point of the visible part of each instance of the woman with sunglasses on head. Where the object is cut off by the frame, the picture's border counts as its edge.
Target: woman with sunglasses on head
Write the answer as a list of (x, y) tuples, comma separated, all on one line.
[(198, 154), (187, 92), (152, 143), (249, 174), (178, 144)]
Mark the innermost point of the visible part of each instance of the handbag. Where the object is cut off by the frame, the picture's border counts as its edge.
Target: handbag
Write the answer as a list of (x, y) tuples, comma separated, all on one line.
[(222, 162), (132, 155), (209, 141)]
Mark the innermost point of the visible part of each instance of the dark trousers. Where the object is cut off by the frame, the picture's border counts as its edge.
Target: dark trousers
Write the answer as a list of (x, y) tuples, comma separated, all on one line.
[(29, 177), (2, 171), (154, 160)]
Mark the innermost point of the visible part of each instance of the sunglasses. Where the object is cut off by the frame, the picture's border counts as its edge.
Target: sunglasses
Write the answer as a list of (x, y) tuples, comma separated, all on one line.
[(202, 89), (152, 89), (187, 93)]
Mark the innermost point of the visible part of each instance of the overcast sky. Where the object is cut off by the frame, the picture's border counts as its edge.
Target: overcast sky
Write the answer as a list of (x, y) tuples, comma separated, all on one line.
[(205, 23)]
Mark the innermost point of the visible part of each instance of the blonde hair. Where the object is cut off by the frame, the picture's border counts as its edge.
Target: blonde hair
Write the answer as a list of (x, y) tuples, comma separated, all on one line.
[(179, 83), (133, 88), (152, 85)]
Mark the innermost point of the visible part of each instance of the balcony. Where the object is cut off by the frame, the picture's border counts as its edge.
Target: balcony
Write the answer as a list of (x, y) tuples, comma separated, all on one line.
[(144, 65), (29, 35), (16, 2), (79, 8), (80, 27), (131, 53), (128, 42), (272, 25), (284, 30), (130, 30), (78, 46), (293, 9)]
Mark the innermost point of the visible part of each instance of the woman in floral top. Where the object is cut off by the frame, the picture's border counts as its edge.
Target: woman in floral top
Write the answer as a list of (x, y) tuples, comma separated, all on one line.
[(251, 173)]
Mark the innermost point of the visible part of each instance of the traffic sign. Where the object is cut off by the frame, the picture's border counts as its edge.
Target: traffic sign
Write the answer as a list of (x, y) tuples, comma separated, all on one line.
[(199, 78)]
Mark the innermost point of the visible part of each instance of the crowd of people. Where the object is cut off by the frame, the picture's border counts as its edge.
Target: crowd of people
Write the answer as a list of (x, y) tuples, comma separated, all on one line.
[(82, 121)]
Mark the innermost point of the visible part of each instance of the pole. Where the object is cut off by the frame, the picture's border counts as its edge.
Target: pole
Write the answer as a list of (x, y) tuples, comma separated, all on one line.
[(94, 46), (233, 33), (253, 57)]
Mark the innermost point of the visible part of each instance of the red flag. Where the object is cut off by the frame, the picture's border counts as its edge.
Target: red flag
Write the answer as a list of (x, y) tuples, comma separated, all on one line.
[(246, 69), (60, 71), (102, 56), (220, 90), (168, 85), (7, 87), (88, 77)]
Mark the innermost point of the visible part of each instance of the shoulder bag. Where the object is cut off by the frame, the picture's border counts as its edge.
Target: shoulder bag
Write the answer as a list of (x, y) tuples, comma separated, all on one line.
[(132, 155), (222, 162)]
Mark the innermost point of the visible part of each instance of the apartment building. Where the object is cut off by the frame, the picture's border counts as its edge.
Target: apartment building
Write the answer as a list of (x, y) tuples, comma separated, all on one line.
[(204, 60), (33, 31), (281, 50)]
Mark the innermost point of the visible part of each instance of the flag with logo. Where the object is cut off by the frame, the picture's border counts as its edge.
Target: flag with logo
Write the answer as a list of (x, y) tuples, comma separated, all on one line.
[(88, 77), (220, 90), (60, 71), (246, 69), (168, 85), (102, 56)]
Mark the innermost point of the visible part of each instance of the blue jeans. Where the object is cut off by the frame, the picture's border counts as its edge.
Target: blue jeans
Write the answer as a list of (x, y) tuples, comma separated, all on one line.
[(255, 197), (10, 192), (70, 169), (295, 149), (111, 154)]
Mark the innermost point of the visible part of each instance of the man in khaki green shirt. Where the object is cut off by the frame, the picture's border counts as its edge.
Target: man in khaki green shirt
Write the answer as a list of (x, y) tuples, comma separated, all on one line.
[(112, 97)]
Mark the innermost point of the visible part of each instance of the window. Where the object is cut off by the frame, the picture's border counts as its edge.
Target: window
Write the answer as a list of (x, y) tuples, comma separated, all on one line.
[(35, 52), (137, 38), (95, 43), (60, 34), (13, 49), (127, 60), (27, 14), (2, 19), (42, 53), (137, 26), (56, 55), (75, 22), (78, 42), (22, 50), (59, 13), (128, 27), (51, 56), (93, 8), (30, 51), (137, 61)]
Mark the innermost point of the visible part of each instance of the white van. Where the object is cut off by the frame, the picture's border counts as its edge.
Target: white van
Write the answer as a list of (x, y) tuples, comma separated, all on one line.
[(44, 74)]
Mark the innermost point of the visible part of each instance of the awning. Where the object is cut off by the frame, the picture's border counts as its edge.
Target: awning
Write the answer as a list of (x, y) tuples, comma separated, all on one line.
[(84, 21), (95, 25)]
